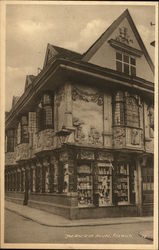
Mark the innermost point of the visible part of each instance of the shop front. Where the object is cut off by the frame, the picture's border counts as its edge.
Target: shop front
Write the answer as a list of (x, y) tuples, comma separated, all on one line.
[(78, 182)]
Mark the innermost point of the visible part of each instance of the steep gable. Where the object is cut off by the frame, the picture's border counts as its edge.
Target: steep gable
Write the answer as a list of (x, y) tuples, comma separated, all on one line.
[(123, 36), (53, 51)]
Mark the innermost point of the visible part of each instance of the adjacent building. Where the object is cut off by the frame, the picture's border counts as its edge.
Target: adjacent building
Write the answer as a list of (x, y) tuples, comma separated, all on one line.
[(79, 141)]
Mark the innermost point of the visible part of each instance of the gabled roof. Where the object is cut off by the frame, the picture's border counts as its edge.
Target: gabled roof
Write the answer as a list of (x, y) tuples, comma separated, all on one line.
[(15, 100), (29, 80), (99, 42), (53, 51)]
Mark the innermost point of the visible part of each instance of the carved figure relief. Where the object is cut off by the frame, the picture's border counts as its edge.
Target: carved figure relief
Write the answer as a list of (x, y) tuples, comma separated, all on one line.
[(135, 137), (94, 136), (79, 135), (123, 36), (87, 114), (119, 135), (59, 96), (64, 156)]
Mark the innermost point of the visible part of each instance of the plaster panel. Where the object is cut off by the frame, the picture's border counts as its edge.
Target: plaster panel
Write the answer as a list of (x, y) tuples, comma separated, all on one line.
[(88, 116)]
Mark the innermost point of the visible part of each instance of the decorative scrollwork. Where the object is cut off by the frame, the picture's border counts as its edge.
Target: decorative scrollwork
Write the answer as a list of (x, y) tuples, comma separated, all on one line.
[(87, 97), (123, 36)]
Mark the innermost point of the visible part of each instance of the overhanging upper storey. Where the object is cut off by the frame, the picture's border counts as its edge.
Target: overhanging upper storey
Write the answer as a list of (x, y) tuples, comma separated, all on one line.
[(62, 70)]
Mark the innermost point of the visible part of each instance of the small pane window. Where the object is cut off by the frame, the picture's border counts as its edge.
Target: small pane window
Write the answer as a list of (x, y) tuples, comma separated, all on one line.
[(119, 66), (125, 64), (118, 56), (48, 116), (126, 68), (46, 100), (133, 71), (132, 61), (126, 58), (45, 113)]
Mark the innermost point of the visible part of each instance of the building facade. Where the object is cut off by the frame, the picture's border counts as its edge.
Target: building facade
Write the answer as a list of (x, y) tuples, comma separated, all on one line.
[(79, 141)]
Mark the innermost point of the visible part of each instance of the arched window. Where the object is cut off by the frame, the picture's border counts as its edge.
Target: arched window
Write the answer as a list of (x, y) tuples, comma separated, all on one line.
[(45, 113), (131, 112)]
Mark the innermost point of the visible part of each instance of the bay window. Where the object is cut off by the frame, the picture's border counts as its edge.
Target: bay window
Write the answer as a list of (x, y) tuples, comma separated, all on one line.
[(125, 110)]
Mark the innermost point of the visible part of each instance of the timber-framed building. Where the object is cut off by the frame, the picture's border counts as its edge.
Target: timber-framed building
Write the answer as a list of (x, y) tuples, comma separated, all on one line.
[(79, 141)]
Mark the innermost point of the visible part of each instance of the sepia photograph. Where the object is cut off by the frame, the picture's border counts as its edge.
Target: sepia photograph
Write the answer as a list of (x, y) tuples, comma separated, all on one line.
[(79, 137)]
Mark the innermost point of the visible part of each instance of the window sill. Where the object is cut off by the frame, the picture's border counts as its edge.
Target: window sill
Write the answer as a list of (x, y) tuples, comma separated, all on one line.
[(126, 126)]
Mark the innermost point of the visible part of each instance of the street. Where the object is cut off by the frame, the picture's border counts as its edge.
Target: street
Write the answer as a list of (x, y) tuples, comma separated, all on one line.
[(21, 230)]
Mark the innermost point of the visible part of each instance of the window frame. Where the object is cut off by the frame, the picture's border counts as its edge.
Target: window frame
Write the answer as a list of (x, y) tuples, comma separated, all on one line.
[(130, 122), (123, 63), (120, 109), (25, 125), (41, 118)]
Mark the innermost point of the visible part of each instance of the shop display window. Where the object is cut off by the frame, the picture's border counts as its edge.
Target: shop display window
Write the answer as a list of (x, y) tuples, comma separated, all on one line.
[(122, 184), (104, 184), (85, 185)]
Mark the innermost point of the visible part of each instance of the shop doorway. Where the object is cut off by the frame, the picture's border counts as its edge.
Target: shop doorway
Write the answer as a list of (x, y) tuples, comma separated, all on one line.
[(147, 184)]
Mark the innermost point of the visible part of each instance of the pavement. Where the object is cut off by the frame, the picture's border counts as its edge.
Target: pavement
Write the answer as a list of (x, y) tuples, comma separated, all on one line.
[(52, 220), (146, 235)]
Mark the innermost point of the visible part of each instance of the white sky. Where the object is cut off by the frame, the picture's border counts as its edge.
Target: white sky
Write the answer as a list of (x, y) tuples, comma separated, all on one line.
[(30, 27)]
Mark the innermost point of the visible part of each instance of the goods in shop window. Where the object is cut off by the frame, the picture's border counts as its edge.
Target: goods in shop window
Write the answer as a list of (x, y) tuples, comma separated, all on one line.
[(104, 185), (84, 186)]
